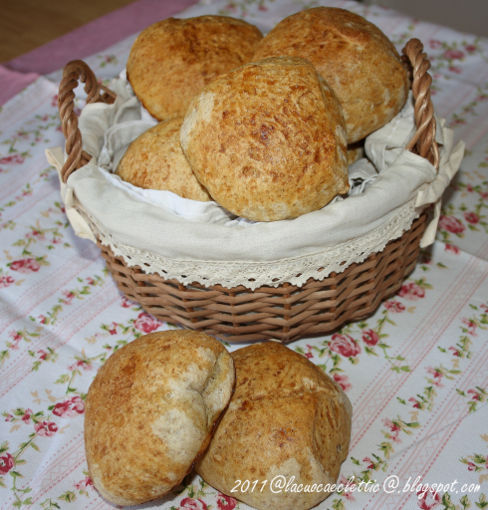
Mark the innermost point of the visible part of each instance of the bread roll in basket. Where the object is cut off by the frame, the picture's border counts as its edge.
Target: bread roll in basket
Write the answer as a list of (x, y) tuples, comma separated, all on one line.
[(280, 309)]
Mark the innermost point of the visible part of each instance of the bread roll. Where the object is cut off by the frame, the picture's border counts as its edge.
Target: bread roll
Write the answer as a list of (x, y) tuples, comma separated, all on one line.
[(267, 140), (150, 411), (353, 55), (355, 151), (171, 60), (286, 417), (154, 160)]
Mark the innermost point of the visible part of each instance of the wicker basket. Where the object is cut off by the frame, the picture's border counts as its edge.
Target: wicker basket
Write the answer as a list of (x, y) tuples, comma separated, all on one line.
[(285, 313)]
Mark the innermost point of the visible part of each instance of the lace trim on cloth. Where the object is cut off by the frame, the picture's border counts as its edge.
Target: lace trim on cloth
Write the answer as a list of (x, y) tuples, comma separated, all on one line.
[(252, 275)]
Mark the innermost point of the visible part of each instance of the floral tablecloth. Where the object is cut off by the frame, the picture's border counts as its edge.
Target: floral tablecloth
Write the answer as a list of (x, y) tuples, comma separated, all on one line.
[(415, 372)]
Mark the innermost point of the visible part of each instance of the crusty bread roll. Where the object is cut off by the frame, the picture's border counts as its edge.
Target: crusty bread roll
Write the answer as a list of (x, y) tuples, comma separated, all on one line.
[(267, 140), (171, 60), (353, 55), (154, 160), (150, 411), (355, 151), (286, 417)]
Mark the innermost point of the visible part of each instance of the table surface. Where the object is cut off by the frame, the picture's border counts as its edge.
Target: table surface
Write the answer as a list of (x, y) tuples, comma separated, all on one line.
[(415, 371)]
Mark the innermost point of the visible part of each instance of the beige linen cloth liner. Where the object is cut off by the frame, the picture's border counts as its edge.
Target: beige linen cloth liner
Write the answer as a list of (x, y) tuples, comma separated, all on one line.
[(194, 241)]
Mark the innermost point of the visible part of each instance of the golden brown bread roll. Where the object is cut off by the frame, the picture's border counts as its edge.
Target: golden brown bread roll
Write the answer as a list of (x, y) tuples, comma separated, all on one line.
[(154, 160), (150, 411), (353, 55), (171, 60), (267, 140), (286, 417), (355, 151)]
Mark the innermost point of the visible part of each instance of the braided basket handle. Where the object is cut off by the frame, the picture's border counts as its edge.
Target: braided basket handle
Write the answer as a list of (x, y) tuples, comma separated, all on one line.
[(74, 72), (423, 142)]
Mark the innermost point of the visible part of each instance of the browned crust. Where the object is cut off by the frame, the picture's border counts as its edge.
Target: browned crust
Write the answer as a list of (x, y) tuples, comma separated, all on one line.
[(353, 55), (285, 412), (267, 140), (149, 414), (173, 59), (154, 160)]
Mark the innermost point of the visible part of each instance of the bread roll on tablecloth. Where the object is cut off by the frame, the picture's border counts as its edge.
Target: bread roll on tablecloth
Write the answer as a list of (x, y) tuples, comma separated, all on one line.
[(286, 418), (267, 140), (154, 160), (171, 60), (150, 412), (353, 55)]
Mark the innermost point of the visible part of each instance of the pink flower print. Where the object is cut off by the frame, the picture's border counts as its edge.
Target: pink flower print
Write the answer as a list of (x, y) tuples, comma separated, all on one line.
[(309, 353), (452, 248), (344, 345), (370, 337), (455, 69), (428, 499), (394, 306), (7, 462), (454, 54), (86, 482), (69, 295), (475, 395), (193, 504), (36, 234), (46, 428), (394, 429), (451, 224), (471, 466), (369, 463), (84, 364), (225, 502), (435, 43), (126, 303), (146, 323), (415, 402), (342, 380), (455, 351), (437, 374), (471, 325), (6, 281), (412, 291), (71, 407), (14, 158), (16, 337), (471, 217), (347, 494), (25, 265), (27, 415), (42, 354), (470, 48)]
